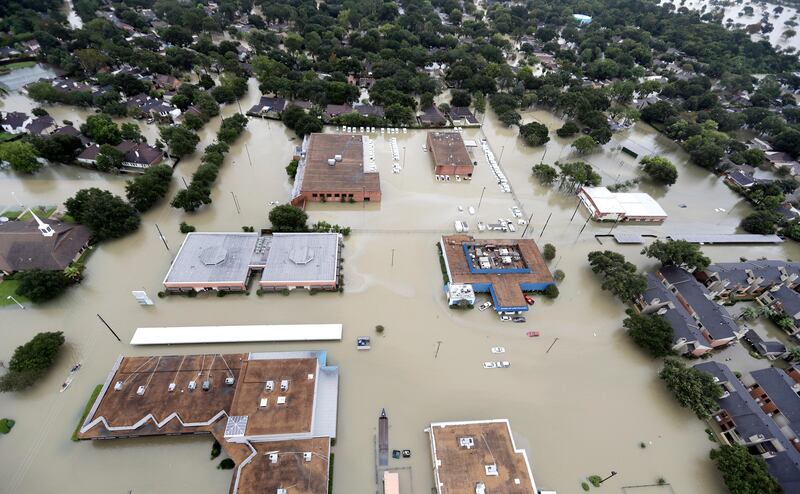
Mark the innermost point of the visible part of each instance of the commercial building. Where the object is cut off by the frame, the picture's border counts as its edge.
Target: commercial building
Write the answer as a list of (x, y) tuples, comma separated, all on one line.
[(449, 154), (338, 168), (227, 261), (504, 268), (273, 413), (23, 247), (761, 411), (478, 457), (604, 205)]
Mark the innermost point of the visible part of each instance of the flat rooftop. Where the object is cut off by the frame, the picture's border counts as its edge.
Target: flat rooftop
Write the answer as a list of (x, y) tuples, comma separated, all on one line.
[(468, 453), (286, 411), (183, 335), (302, 257), (158, 411), (307, 408), (291, 470), (212, 257), (631, 204), (507, 286), (448, 149), (347, 175)]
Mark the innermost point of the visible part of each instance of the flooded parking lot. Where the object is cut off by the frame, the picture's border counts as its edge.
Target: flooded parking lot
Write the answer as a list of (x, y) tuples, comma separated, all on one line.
[(582, 408)]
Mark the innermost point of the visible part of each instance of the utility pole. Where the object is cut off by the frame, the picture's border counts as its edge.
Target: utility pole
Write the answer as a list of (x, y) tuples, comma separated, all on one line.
[(109, 327), (438, 344), (162, 237), (184, 183), (545, 225), (480, 201), (248, 155), (576, 210), (526, 226), (236, 203), (392, 257), (502, 149)]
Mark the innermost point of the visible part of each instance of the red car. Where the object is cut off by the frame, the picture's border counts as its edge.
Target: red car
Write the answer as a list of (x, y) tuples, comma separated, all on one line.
[(529, 299)]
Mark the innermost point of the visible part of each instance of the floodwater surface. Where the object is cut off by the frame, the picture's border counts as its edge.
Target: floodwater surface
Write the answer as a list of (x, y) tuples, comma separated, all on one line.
[(581, 408)]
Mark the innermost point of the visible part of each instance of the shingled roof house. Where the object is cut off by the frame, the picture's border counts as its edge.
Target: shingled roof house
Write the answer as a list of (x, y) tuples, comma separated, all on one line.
[(23, 247)]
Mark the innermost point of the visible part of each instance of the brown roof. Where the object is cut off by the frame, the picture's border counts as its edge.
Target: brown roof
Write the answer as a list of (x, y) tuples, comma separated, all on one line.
[(459, 468), (448, 149), (294, 416), (23, 247), (290, 469), (347, 175), (507, 289)]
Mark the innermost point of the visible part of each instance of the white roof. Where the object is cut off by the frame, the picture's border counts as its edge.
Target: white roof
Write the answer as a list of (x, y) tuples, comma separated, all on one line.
[(631, 204), (235, 334)]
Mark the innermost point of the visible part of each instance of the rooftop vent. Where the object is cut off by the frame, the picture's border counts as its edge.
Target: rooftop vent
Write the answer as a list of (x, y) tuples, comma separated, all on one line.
[(118, 386), (491, 470), (229, 381), (273, 458), (480, 488), (281, 400), (211, 256), (466, 442), (263, 403), (307, 456)]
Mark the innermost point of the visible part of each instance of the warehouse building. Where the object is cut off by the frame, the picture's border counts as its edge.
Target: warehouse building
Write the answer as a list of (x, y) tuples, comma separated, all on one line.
[(337, 168), (450, 155), (604, 205)]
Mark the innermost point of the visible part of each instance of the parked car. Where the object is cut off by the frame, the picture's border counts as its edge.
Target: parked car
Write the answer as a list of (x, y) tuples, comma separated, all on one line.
[(519, 319), (484, 306), (529, 299), (505, 318)]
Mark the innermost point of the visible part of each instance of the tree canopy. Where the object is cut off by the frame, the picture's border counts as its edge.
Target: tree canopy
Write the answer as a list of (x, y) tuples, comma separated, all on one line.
[(618, 275), (678, 252), (650, 332), (288, 218), (693, 389), (744, 472), (660, 169), (30, 361), (106, 215)]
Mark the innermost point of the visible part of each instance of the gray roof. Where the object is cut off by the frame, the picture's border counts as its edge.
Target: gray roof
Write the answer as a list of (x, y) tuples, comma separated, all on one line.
[(302, 257), (214, 257), (23, 247), (780, 388), (789, 300), (736, 272), (713, 316), (683, 325), (751, 420), (764, 347)]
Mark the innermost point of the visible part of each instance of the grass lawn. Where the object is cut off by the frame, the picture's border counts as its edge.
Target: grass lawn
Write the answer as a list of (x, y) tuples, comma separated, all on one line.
[(41, 212), (86, 409), (16, 65), (9, 287)]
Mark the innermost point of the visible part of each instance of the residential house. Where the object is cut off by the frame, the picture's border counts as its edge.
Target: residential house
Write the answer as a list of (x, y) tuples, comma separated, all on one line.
[(72, 131), (23, 247), (787, 211), (268, 107), (14, 122), (333, 111), (153, 108), (771, 349), (431, 116), (166, 82), (463, 117), (713, 320), (658, 299), (41, 125), (738, 179), (762, 413), (781, 160), (783, 299), (749, 279), (137, 156), (369, 110)]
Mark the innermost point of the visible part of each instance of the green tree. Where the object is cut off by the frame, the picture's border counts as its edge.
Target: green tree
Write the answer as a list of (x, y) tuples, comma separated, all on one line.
[(180, 140), (509, 118), (30, 361), (534, 133), (40, 286), (743, 472), (660, 169), (545, 173), (651, 332), (109, 158), (288, 218), (679, 253), (21, 156), (146, 189), (106, 215), (618, 275), (569, 129), (549, 252), (101, 129), (760, 222), (291, 168), (130, 130), (585, 144), (692, 388)]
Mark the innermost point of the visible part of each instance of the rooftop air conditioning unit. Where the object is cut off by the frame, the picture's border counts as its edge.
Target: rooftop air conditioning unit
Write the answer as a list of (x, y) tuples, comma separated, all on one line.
[(307, 456), (140, 391), (284, 385), (338, 157), (491, 470), (118, 386), (273, 457), (192, 385), (466, 442), (171, 387), (331, 162), (206, 385), (281, 400), (269, 386), (229, 381)]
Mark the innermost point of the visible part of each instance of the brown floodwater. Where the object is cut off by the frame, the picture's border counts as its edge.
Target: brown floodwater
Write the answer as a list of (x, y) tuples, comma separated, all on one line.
[(581, 409)]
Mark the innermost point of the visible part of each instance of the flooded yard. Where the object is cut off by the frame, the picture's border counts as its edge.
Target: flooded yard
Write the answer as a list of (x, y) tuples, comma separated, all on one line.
[(582, 408)]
